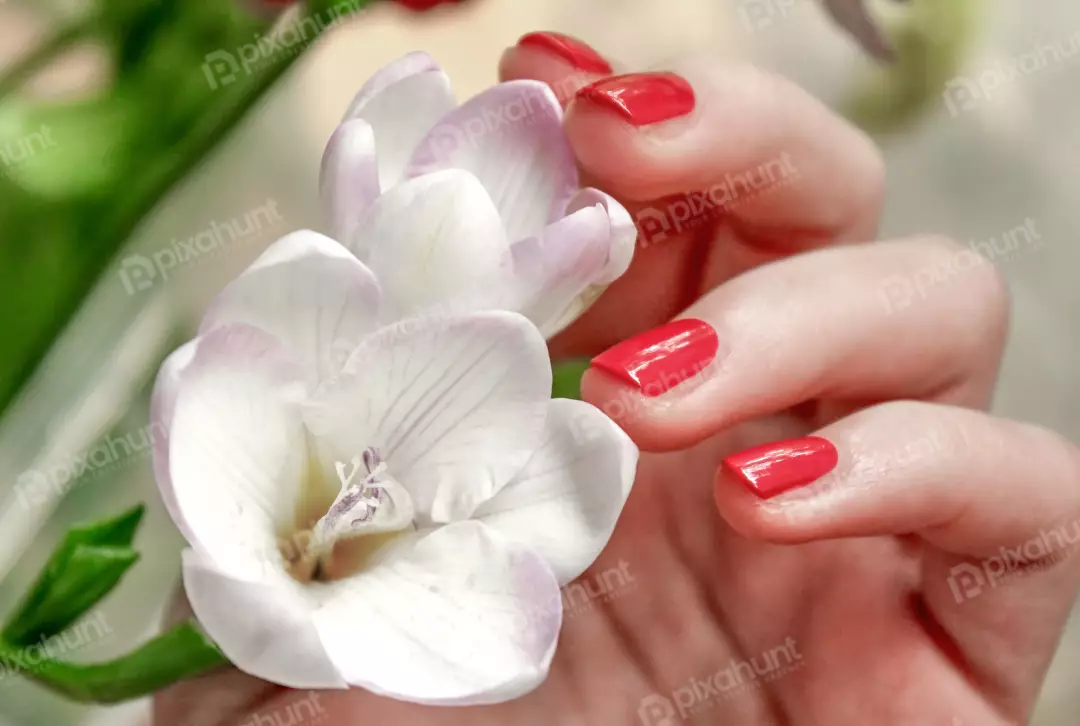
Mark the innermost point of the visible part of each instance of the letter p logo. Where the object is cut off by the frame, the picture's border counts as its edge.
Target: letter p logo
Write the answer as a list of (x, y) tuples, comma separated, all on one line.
[(137, 273), (220, 68), (966, 581), (655, 710)]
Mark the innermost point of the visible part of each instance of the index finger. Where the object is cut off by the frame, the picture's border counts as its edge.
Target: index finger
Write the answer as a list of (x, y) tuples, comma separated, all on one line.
[(760, 148)]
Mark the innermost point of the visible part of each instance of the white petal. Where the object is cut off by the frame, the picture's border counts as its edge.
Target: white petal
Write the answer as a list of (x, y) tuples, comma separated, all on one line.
[(564, 503), (237, 448), (433, 240), (308, 292), (162, 405), (511, 138), (401, 103), (623, 232), (464, 617), (455, 407), (349, 178), (559, 265), (265, 628)]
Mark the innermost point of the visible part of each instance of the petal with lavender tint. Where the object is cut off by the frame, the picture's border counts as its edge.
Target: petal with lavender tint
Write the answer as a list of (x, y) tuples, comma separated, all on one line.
[(564, 503), (307, 291), (454, 406), (556, 267), (349, 178), (462, 617), (162, 405), (264, 627), (237, 449), (401, 103), (623, 232), (433, 240), (511, 138)]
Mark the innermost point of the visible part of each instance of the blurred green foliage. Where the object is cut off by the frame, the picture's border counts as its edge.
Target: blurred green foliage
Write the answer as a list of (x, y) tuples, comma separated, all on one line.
[(930, 40), (83, 569), (78, 175)]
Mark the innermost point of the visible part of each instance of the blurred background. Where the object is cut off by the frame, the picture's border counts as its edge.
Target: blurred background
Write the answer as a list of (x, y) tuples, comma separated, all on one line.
[(980, 137)]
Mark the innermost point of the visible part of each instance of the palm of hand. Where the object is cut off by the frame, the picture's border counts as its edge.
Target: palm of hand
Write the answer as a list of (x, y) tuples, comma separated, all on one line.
[(684, 621)]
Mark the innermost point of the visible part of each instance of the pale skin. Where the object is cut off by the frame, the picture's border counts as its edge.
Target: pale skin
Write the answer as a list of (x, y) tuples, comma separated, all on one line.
[(846, 578)]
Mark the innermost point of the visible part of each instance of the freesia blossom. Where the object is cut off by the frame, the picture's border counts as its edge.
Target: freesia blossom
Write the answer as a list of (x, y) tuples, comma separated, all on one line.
[(496, 218), (400, 519)]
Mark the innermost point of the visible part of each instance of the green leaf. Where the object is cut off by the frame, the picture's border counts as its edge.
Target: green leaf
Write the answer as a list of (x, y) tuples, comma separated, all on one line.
[(83, 569), (566, 378), (180, 653)]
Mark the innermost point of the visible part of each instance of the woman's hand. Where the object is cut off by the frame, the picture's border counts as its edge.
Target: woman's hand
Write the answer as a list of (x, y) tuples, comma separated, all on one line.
[(909, 564)]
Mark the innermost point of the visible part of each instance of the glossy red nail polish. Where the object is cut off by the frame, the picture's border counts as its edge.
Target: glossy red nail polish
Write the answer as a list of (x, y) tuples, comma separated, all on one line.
[(773, 469), (657, 361), (571, 50), (642, 98)]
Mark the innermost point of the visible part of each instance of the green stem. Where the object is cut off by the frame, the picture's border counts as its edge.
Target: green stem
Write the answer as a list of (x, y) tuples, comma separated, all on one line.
[(182, 652), (38, 58)]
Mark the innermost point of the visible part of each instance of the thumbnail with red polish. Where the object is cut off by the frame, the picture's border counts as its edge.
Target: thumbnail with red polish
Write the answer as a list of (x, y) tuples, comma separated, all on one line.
[(662, 358), (642, 98), (773, 469), (571, 50)]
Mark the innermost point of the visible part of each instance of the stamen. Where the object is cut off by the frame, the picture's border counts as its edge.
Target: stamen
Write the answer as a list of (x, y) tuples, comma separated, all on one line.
[(373, 505)]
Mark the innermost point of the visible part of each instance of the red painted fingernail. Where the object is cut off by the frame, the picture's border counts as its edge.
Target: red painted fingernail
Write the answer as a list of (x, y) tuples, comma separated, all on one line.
[(642, 98), (571, 50), (659, 360), (773, 469)]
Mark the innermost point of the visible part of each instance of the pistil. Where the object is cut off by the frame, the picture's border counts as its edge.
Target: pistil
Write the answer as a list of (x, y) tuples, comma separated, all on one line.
[(376, 504)]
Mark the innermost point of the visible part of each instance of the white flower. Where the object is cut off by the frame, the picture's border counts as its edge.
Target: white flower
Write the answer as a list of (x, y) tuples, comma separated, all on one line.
[(400, 521), (491, 192)]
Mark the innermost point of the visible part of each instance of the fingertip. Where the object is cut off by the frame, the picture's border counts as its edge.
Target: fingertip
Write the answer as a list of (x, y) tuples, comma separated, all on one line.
[(577, 53), (650, 422), (625, 129), (566, 64)]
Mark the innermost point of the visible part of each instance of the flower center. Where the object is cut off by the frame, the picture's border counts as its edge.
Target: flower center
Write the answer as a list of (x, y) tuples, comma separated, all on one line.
[(368, 504)]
